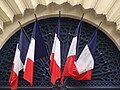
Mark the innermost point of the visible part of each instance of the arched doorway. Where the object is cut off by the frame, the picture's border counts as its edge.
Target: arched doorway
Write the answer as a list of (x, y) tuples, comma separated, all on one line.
[(107, 57)]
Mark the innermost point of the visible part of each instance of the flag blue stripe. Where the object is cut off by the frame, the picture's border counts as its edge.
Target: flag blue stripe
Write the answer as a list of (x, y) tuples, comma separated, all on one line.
[(92, 42), (40, 49), (23, 46), (77, 32), (78, 29)]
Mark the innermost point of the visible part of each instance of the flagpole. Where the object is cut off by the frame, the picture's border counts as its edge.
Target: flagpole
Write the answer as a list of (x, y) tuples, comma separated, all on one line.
[(79, 34), (80, 27), (95, 30), (24, 31), (80, 23), (58, 31)]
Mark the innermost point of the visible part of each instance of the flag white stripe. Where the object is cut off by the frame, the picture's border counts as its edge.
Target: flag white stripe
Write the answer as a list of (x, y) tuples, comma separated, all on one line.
[(31, 50), (85, 61), (56, 50), (72, 50), (18, 65), (57, 53), (54, 43)]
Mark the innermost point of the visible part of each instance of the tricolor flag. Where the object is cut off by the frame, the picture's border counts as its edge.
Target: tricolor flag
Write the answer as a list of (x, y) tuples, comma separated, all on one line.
[(82, 69), (71, 55), (19, 59), (36, 51), (55, 58)]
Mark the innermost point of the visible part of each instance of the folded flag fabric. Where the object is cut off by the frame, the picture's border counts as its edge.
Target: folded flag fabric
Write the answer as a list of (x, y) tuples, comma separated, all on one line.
[(55, 58), (71, 55), (82, 69), (19, 59), (36, 51)]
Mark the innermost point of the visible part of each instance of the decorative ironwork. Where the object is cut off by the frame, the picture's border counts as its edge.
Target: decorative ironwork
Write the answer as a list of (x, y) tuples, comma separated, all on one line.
[(107, 56)]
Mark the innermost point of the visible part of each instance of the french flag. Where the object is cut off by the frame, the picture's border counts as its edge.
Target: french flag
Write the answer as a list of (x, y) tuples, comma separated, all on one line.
[(36, 51), (82, 69), (19, 59), (55, 58), (71, 55)]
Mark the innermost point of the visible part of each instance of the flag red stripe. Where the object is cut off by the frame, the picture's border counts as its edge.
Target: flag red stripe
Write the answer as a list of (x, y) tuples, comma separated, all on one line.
[(13, 79), (51, 61), (71, 70), (54, 67), (84, 76), (68, 67), (28, 74)]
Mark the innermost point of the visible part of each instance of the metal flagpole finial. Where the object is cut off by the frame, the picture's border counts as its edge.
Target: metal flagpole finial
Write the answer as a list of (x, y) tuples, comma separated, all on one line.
[(35, 15), (82, 16), (59, 13), (99, 24), (19, 23)]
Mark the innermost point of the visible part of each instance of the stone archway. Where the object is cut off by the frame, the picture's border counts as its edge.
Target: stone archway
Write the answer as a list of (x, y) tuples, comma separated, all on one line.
[(68, 9), (107, 57)]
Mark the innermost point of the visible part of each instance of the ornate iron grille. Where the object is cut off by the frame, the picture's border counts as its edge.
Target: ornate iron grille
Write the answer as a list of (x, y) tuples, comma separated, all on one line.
[(107, 57)]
